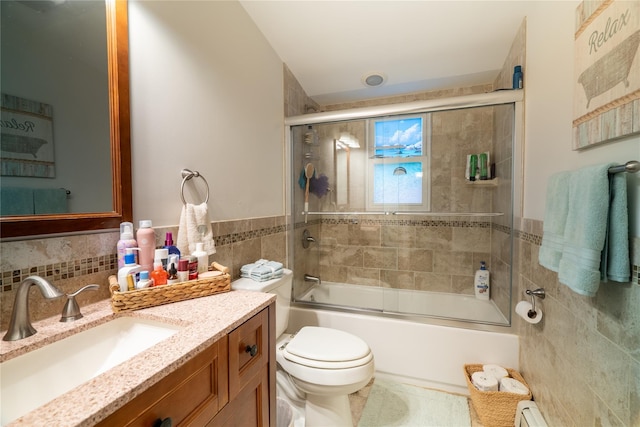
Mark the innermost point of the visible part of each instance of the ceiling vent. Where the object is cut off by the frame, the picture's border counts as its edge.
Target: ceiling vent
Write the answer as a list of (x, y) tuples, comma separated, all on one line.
[(374, 79)]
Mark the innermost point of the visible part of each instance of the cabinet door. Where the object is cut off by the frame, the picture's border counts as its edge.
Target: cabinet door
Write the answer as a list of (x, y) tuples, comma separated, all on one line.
[(191, 395), (250, 407)]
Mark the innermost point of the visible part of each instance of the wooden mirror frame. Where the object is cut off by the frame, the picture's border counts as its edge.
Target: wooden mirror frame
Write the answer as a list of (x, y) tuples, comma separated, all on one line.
[(118, 64)]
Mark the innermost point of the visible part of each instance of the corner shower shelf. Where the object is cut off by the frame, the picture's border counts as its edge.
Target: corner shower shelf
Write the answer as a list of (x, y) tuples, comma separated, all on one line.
[(458, 214), (484, 183)]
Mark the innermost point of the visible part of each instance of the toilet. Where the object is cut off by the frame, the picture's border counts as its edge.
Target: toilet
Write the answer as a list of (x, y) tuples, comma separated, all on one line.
[(323, 365)]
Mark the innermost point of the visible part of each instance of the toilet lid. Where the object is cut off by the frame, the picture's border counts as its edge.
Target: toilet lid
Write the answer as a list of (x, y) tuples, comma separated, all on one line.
[(315, 346)]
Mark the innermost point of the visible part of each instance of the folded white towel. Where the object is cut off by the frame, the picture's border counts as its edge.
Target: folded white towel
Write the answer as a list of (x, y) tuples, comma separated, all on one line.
[(195, 227)]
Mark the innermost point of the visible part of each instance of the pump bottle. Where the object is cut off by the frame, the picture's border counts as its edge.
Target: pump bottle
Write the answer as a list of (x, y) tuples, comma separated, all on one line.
[(202, 256), (481, 282), (126, 241), (147, 244), (130, 269)]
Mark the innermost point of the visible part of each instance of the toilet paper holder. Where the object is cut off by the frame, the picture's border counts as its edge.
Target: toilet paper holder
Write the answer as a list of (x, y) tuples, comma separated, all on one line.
[(540, 293)]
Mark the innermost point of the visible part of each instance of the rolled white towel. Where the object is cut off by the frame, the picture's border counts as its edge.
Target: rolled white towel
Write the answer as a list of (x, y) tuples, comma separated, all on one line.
[(496, 370), (511, 385), (484, 381)]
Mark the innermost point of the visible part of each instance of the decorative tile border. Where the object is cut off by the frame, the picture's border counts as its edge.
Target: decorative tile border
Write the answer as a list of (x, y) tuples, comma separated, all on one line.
[(59, 271)]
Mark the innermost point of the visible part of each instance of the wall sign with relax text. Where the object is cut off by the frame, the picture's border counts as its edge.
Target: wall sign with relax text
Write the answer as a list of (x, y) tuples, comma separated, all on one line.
[(26, 138), (607, 72)]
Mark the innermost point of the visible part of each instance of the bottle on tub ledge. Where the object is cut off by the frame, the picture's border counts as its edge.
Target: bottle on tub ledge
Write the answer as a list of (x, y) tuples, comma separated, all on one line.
[(481, 282)]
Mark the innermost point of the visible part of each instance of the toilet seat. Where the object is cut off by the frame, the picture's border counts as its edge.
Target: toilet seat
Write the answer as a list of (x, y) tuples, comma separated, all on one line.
[(326, 348)]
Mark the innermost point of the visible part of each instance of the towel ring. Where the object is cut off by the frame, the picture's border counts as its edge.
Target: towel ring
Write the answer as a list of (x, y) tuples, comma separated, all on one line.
[(186, 176)]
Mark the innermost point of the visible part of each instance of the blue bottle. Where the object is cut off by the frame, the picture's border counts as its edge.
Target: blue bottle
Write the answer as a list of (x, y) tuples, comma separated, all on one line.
[(517, 77)]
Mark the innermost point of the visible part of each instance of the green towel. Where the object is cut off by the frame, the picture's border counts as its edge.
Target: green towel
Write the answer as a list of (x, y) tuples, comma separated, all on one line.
[(555, 219), (585, 230), (50, 200), (615, 264), (16, 201)]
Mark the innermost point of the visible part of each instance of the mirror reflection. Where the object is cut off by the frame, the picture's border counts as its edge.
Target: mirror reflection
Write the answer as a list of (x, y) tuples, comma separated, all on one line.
[(56, 145)]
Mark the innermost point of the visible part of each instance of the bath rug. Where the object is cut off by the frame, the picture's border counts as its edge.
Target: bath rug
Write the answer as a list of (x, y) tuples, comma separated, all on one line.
[(395, 404)]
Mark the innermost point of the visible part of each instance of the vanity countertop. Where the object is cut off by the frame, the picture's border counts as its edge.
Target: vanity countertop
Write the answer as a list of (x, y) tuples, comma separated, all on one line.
[(204, 321)]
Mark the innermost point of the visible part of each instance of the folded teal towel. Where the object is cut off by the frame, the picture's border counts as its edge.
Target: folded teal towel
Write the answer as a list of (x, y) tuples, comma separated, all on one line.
[(555, 219), (585, 229), (615, 264), (50, 200), (16, 201), (262, 270)]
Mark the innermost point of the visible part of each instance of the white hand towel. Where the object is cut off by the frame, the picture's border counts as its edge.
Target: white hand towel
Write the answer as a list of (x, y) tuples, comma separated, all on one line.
[(195, 227)]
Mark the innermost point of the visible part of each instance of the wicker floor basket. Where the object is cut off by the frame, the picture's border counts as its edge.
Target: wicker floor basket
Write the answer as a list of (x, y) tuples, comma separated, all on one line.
[(165, 294), (495, 408)]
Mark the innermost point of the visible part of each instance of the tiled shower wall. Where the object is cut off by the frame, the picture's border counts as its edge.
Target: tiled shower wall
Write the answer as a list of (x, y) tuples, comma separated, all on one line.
[(64, 261)]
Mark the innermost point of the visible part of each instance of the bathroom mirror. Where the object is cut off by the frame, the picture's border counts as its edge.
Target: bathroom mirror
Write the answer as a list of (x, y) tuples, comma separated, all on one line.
[(115, 162)]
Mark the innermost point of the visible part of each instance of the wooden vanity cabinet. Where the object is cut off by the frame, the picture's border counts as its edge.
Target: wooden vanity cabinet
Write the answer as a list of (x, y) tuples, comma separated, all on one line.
[(231, 383)]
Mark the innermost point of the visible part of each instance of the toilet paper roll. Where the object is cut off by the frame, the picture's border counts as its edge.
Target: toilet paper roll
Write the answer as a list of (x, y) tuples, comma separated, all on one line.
[(523, 308), (484, 381), (511, 385), (496, 371)]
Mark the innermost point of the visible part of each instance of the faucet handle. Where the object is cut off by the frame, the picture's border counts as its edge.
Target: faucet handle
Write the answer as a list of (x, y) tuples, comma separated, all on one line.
[(71, 310)]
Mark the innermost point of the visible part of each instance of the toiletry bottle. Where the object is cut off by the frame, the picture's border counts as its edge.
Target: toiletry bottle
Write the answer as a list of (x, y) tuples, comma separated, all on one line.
[(161, 256), (147, 244), (126, 241), (517, 77), (484, 167), (159, 275), (473, 167), (481, 282), (144, 281), (193, 267), (130, 268), (183, 270), (168, 244), (203, 258), (173, 274)]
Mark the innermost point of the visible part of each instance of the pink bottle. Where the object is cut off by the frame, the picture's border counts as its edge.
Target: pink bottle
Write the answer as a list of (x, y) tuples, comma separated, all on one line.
[(146, 238)]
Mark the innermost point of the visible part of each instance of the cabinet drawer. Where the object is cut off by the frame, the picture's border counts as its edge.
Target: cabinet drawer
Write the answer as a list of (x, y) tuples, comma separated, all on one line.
[(191, 395), (248, 351)]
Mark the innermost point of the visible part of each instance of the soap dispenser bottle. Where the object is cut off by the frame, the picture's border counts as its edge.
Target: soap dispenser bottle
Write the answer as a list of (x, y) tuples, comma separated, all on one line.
[(126, 241), (481, 282)]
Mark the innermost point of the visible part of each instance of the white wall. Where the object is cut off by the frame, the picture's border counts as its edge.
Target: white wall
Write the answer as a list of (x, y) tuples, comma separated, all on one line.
[(549, 85), (207, 95)]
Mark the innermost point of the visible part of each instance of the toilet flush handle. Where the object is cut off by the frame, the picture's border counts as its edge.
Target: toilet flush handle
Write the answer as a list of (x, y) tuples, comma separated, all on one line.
[(252, 350)]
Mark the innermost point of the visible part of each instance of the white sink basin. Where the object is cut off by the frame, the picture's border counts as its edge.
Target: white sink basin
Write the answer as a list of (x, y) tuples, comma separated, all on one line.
[(35, 378)]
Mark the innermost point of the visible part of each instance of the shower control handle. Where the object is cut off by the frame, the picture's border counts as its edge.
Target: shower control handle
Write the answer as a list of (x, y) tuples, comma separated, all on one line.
[(252, 350)]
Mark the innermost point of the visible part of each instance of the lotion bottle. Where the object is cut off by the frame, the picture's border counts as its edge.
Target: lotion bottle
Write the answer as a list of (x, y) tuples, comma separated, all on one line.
[(481, 282), (202, 256), (130, 268), (144, 281), (147, 244), (126, 241)]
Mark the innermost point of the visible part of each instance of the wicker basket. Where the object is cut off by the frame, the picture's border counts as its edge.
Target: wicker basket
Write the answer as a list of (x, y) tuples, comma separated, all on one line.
[(495, 408), (165, 294)]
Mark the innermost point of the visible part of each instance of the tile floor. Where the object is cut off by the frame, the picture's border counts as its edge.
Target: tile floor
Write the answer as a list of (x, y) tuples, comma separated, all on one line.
[(358, 399)]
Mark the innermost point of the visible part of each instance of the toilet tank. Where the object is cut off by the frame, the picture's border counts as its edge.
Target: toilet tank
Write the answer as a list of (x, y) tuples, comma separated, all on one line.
[(281, 287)]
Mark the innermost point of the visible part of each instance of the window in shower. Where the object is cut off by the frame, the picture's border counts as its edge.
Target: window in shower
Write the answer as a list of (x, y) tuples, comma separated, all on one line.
[(398, 172)]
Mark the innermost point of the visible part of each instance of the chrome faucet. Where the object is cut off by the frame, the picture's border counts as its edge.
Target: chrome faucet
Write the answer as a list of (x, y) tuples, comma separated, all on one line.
[(20, 325), (310, 278), (71, 310)]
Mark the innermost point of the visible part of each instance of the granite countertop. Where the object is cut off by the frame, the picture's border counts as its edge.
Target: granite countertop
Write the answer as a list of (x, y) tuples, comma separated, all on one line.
[(204, 321)]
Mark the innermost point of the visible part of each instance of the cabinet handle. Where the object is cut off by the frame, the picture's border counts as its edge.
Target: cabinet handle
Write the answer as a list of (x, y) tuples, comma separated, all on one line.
[(252, 350), (163, 423)]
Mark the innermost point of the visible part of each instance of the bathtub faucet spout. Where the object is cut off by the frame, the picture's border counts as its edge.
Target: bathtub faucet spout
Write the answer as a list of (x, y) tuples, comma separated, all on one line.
[(310, 278)]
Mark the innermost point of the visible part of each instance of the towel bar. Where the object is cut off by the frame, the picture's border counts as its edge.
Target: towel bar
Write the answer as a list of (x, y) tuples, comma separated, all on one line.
[(186, 176), (632, 166)]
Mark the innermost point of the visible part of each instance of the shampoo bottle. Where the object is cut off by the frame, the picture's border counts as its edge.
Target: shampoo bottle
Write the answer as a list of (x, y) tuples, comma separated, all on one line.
[(147, 244), (126, 241), (130, 268), (481, 283)]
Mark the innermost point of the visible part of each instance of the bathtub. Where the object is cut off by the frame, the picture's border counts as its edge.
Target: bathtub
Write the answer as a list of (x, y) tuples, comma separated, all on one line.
[(424, 354)]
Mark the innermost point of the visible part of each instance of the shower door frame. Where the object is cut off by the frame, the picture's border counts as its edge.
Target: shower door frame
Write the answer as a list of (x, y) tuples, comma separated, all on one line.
[(515, 97)]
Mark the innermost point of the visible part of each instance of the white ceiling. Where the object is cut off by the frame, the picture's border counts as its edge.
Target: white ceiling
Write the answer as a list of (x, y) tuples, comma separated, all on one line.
[(419, 45)]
